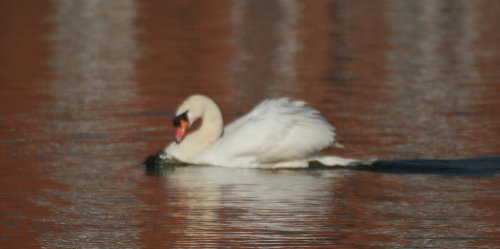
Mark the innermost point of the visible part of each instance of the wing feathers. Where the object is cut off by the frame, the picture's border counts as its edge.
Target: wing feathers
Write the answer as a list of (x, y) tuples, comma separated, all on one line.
[(275, 130)]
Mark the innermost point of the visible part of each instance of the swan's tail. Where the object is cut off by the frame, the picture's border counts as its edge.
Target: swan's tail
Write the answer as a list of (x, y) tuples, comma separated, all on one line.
[(341, 161)]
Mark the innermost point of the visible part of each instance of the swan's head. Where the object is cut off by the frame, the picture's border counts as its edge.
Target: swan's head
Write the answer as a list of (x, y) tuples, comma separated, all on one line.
[(189, 111), (181, 121)]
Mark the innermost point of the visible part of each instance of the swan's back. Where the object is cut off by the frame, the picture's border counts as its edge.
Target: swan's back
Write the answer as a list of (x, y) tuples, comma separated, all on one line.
[(276, 130)]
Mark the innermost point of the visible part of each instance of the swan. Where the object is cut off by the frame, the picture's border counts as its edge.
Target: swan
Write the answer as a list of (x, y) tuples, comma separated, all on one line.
[(277, 133)]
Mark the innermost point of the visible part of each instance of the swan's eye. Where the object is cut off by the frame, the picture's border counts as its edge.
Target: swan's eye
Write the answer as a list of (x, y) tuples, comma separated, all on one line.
[(177, 120)]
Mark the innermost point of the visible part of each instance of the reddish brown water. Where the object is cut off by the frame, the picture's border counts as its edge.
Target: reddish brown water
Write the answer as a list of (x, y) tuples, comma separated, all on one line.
[(87, 89)]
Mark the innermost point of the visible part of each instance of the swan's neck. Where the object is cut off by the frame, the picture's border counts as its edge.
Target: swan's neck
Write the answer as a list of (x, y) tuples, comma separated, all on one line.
[(210, 129), (196, 142)]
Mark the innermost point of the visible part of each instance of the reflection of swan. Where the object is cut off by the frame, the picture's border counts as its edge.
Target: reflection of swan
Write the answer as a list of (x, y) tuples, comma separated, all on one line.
[(276, 133)]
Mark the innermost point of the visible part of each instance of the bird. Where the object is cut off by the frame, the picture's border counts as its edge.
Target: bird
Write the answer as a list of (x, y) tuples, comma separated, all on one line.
[(277, 133)]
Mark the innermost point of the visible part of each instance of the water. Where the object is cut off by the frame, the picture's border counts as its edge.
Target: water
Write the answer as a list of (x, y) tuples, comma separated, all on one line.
[(87, 90)]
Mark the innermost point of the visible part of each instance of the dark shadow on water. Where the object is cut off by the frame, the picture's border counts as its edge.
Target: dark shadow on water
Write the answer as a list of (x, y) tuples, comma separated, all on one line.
[(489, 166), (155, 165)]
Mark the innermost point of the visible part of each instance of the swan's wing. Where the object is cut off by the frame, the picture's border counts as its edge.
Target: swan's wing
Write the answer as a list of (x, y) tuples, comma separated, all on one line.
[(274, 131)]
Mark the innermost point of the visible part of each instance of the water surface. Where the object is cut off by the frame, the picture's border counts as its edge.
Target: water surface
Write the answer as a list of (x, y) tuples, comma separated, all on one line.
[(87, 91)]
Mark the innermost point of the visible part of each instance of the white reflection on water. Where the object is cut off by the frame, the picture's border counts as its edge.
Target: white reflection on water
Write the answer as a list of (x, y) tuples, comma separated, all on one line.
[(93, 58), (223, 203), (266, 43), (433, 60)]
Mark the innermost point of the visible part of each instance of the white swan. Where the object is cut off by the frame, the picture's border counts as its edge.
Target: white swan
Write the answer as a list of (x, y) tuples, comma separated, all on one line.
[(277, 133)]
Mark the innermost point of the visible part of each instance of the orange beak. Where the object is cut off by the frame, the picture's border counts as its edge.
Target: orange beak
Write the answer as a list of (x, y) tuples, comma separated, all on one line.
[(181, 130)]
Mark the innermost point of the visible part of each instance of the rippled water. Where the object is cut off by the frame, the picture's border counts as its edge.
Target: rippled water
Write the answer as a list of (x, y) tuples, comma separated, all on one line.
[(87, 90)]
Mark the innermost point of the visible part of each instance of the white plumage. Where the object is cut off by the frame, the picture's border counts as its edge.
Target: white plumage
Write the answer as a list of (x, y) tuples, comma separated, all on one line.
[(276, 133)]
